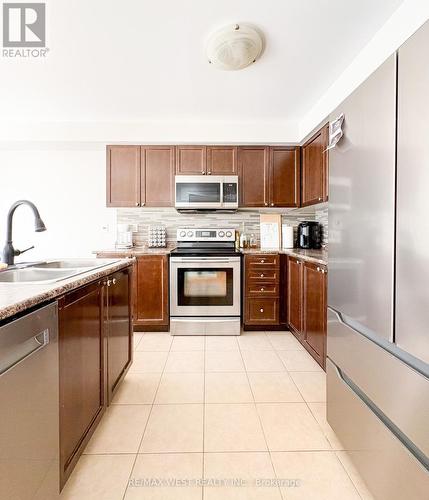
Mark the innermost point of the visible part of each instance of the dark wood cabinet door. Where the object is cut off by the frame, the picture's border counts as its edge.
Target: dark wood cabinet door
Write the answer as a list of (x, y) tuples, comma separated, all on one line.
[(222, 160), (191, 160), (123, 176), (315, 310), (157, 181), (294, 296), (253, 165), (151, 291), (315, 169), (118, 328), (81, 365), (285, 177)]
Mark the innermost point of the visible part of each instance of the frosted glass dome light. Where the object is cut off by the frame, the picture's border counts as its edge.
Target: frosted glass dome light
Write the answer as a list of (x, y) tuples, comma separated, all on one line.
[(234, 47)]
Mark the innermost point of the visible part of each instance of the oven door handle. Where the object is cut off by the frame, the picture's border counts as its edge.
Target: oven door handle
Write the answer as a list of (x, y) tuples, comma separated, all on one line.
[(215, 260)]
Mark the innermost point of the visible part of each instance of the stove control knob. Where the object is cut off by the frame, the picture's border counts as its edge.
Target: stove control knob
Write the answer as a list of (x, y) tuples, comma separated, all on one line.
[(190, 233), (182, 234), (228, 234), (221, 234)]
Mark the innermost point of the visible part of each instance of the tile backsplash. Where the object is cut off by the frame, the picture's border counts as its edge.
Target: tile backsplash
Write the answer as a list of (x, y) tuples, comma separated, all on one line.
[(243, 220)]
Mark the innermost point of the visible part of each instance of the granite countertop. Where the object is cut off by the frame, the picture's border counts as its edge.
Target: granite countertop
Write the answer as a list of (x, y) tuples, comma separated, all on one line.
[(17, 297), (136, 251), (316, 256)]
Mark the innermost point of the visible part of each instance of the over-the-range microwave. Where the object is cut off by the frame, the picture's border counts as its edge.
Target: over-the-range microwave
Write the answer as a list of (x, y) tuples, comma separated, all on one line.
[(215, 192)]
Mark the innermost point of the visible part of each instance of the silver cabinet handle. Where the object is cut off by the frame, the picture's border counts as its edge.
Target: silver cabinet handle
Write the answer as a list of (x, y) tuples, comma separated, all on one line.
[(272, 204), (143, 204), (114, 281), (262, 289), (202, 171), (137, 204), (266, 204), (209, 173), (261, 310), (318, 268), (262, 275), (262, 261)]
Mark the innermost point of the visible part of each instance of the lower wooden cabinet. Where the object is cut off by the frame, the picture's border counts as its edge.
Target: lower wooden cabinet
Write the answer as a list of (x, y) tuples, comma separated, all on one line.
[(94, 353), (306, 291), (261, 290)]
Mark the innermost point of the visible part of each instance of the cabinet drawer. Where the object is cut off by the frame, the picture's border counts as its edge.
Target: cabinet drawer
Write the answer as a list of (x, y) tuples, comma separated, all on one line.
[(263, 260), (262, 289), (262, 311), (258, 275)]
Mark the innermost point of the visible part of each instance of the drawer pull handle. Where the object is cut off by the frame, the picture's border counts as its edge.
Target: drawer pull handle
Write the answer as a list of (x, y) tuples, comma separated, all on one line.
[(262, 309), (262, 289), (262, 275), (262, 261), (318, 268)]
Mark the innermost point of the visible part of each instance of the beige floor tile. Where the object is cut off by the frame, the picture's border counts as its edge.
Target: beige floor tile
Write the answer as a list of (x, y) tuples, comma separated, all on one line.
[(232, 427), (284, 341), (249, 467), (148, 362), (188, 343), (221, 343), (227, 388), (320, 475), (274, 388), (262, 361), (186, 467), (120, 430), (299, 361), (224, 361), (155, 342), (136, 339), (181, 388), (185, 362), (319, 412), (99, 477), (174, 428), (251, 341), (290, 427), (311, 385), (137, 389), (354, 475)]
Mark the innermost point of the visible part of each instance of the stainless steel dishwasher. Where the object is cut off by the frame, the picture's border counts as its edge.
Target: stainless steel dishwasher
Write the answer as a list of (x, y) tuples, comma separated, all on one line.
[(29, 447)]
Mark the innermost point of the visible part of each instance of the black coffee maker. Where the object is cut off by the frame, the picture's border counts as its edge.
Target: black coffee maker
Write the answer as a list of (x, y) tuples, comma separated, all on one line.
[(309, 235)]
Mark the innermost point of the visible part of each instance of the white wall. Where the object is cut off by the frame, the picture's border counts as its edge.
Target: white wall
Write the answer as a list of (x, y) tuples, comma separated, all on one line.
[(68, 186), (402, 24)]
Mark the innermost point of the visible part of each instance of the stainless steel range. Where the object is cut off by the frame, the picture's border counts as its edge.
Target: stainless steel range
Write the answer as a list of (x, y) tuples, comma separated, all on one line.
[(205, 283)]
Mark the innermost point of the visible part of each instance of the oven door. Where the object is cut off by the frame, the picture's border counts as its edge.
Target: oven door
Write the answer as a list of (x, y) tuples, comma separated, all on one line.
[(205, 286), (199, 192)]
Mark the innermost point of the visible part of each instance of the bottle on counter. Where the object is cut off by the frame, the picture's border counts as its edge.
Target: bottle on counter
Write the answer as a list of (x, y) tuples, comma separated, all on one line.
[(237, 239), (252, 241)]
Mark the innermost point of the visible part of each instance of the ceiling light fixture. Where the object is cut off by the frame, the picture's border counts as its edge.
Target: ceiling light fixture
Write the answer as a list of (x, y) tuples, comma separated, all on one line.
[(234, 47)]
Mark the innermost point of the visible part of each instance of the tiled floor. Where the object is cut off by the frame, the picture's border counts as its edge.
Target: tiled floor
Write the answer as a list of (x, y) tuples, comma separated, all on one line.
[(246, 415)]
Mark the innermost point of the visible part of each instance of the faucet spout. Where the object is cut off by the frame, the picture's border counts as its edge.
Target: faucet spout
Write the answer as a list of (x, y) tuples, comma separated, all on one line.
[(9, 253)]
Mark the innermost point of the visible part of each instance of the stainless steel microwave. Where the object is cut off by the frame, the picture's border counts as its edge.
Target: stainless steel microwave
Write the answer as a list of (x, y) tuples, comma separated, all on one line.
[(196, 192)]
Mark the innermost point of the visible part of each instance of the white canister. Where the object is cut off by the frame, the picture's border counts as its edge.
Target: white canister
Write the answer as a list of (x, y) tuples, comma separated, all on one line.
[(287, 236)]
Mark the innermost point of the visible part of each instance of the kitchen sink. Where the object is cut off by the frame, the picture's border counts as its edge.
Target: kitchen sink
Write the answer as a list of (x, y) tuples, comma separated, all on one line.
[(38, 273)]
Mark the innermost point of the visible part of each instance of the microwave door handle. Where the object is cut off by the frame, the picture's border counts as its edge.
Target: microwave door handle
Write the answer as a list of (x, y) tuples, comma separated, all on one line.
[(221, 193)]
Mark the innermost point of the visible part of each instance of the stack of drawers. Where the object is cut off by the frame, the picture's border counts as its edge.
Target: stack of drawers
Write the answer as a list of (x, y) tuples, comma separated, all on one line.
[(262, 289)]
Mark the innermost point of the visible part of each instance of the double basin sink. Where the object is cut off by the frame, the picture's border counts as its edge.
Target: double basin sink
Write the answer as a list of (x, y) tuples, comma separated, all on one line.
[(52, 271)]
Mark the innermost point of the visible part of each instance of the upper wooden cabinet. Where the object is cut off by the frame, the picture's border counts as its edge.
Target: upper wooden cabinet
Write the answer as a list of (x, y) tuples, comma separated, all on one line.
[(253, 165), (315, 169), (269, 176), (123, 176), (285, 177), (157, 185), (191, 160), (222, 160), (140, 176)]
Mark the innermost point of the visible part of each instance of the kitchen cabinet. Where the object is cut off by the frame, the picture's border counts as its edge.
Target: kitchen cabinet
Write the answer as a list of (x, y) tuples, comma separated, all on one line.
[(140, 176), (262, 291), (151, 293), (294, 296), (314, 317), (285, 177), (118, 328), (307, 308), (191, 160), (123, 176), (253, 163), (81, 365), (95, 338), (269, 176), (222, 160), (315, 160)]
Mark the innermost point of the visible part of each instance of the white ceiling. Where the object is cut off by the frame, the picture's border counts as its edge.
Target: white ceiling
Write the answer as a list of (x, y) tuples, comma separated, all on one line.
[(141, 60)]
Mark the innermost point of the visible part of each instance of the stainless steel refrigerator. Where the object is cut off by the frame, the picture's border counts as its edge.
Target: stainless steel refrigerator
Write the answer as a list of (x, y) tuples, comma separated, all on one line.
[(378, 288)]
